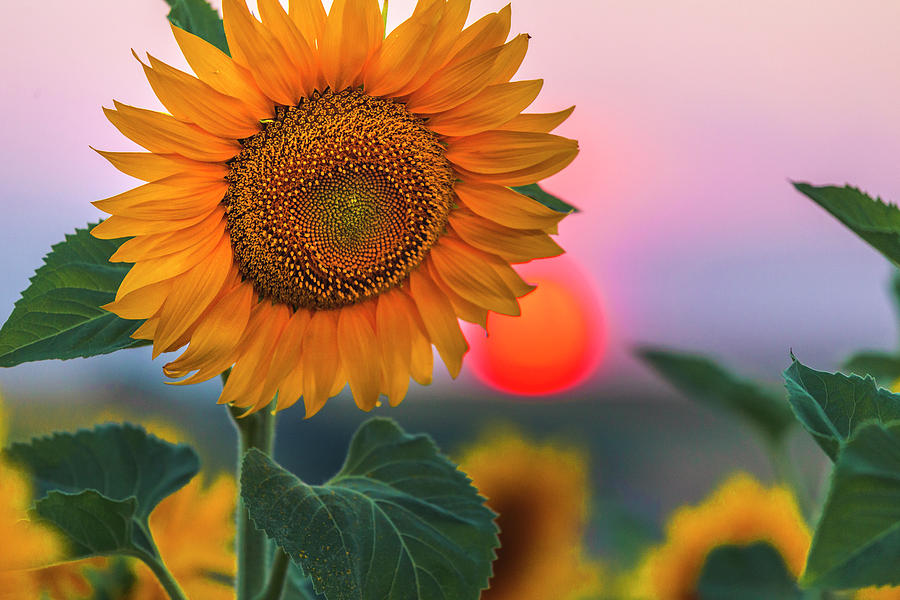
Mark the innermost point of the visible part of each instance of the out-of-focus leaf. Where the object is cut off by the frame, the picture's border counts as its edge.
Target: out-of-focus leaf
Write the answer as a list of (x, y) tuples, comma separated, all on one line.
[(703, 380), (753, 572), (398, 521), (870, 218), (832, 405), (883, 367), (536, 192), (100, 485), (199, 18), (59, 315), (857, 540)]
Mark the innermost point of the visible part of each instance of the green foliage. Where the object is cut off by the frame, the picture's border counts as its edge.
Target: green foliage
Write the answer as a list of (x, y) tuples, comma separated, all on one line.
[(398, 520), (831, 406), (113, 582), (857, 540), (59, 315), (871, 219), (703, 380), (536, 192), (882, 366), (99, 486), (199, 18), (752, 572)]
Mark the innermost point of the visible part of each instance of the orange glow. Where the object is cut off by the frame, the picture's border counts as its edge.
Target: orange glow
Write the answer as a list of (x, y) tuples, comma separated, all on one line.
[(554, 345)]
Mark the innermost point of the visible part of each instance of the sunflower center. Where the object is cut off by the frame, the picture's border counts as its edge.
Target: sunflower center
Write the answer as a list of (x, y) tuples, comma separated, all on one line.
[(336, 200)]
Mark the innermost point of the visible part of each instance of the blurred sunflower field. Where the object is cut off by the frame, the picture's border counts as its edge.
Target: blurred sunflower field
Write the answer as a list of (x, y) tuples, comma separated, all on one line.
[(449, 300)]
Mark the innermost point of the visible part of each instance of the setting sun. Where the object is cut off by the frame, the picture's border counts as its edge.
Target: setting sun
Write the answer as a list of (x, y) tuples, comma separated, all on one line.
[(554, 345)]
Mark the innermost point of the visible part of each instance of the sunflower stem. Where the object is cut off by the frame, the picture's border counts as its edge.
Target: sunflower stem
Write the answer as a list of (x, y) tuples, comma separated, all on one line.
[(166, 580), (277, 577), (252, 545)]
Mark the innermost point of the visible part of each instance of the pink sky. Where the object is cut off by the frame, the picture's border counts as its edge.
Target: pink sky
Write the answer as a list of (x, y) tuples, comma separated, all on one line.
[(691, 116)]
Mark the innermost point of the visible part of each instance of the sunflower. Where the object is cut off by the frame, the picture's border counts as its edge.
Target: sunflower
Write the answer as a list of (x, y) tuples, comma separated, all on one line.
[(540, 493), (325, 203), (740, 512), (202, 564)]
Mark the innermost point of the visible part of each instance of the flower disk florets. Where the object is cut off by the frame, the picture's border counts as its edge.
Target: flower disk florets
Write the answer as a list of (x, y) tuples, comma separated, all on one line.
[(336, 199)]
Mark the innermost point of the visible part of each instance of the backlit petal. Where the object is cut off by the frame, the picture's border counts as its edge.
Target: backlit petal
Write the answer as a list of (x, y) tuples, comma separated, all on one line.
[(493, 107), (513, 245), (538, 122), (353, 33), (471, 279), (506, 207), (360, 353), (439, 320)]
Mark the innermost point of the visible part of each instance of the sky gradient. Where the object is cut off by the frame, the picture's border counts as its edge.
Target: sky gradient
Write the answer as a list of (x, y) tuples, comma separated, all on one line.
[(692, 117)]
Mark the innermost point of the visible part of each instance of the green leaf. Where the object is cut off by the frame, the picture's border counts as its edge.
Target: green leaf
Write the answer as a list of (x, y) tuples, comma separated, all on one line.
[(398, 520), (705, 381), (752, 572), (871, 219), (199, 18), (59, 315), (883, 367), (99, 486), (832, 405), (857, 540), (113, 582), (535, 192)]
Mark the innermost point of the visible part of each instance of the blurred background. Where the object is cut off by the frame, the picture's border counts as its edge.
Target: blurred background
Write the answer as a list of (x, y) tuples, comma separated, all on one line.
[(692, 118)]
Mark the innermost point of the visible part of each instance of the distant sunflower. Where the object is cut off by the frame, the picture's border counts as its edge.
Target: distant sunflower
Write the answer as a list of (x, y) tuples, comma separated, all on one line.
[(202, 564), (25, 546), (540, 492), (323, 205), (740, 512)]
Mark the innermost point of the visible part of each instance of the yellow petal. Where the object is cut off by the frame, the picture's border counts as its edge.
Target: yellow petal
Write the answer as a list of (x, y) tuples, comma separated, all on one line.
[(145, 247), (471, 279), (501, 267), (487, 32), (513, 245), (394, 330), (148, 166), (402, 53), (254, 47), (309, 16), (506, 207), (532, 174), (217, 69), (353, 33), (180, 196), (285, 373), (360, 353), (464, 309), (166, 267), (493, 107), (142, 303), (439, 320), (243, 387), (495, 152), (446, 33), (320, 360), (193, 101), (421, 364), (162, 133), (305, 69), (217, 336), (116, 227), (454, 84), (192, 293), (510, 59), (538, 122)]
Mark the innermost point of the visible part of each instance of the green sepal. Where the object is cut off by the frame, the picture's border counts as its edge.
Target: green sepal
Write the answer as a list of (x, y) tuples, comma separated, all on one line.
[(832, 405), (199, 18), (536, 192), (703, 380), (59, 314), (398, 520)]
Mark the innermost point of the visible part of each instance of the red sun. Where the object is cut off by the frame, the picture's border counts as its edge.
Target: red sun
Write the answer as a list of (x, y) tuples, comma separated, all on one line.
[(555, 344)]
